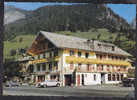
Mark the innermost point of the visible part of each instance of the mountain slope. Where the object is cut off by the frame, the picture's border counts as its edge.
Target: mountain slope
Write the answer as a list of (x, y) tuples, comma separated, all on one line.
[(68, 18), (13, 14)]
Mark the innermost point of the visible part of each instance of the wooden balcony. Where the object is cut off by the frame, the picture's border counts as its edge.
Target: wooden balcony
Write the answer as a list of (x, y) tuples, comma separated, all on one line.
[(44, 60), (70, 59)]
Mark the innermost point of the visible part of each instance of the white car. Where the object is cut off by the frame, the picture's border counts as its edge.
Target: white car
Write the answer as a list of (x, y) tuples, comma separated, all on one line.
[(47, 83)]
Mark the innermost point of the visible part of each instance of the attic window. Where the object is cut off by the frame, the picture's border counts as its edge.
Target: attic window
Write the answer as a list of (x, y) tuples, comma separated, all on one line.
[(71, 53), (99, 45), (79, 54)]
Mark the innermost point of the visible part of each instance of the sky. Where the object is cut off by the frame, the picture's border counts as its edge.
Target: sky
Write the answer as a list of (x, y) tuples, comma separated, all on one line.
[(127, 11)]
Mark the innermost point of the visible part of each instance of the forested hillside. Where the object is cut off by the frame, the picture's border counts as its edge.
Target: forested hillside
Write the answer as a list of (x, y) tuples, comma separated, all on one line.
[(68, 18), (89, 21)]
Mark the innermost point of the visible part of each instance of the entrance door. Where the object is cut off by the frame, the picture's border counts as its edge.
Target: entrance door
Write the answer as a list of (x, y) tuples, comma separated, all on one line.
[(78, 80), (102, 78), (82, 79), (41, 78), (68, 80)]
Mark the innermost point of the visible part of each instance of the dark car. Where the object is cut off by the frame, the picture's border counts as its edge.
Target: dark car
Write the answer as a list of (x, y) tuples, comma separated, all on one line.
[(129, 82), (12, 84)]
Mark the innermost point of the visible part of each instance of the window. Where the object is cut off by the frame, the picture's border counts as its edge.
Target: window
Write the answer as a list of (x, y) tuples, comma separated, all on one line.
[(71, 53), (109, 77), (97, 56), (112, 57), (116, 58), (113, 48), (44, 55), (50, 66), (43, 67), (71, 65), (79, 64), (50, 54), (99, 45), (38, 67), (38, 56), (100, 56), (113, 77), (50, 45), (31, 68), (118, 77), (88, 67), (79, 54), (102, 67), (108, 68), (94, 77), (97, 67), (121, 76), (44, 47), (56, 65), (55, 53), (86, 55)]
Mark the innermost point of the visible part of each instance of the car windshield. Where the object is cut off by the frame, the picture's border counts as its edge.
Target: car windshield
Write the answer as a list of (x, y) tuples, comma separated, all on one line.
[(44, 81)]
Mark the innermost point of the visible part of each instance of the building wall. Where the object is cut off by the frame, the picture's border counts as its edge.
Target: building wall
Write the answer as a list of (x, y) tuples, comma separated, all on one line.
[(64, 69), (89, 78)]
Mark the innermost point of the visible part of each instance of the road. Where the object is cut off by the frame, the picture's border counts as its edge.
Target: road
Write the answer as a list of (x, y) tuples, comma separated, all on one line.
[(97, 90)]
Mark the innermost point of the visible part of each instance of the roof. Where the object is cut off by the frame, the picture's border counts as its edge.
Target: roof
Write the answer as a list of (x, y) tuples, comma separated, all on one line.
[(64, 41)]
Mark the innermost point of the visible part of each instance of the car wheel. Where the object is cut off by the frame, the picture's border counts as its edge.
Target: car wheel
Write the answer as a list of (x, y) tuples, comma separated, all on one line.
[(58, 85), (44, 86)]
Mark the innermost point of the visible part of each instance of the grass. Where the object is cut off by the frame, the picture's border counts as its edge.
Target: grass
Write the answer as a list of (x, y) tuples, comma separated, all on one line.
[(15, 44), (105, 34)]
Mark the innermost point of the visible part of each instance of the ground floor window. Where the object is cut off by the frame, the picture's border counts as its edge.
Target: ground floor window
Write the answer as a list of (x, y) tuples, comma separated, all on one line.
[(109, 77), (121, 76), (113, 77), (118, 78), (95, 77), (88, 67)]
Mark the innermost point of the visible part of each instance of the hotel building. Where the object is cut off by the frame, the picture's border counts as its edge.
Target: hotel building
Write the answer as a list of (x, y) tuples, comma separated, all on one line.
[(76, 61)]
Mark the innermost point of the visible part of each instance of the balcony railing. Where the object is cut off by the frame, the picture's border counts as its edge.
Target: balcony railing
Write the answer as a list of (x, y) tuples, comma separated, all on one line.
[(45, 60), (70, 59), (101, 71)]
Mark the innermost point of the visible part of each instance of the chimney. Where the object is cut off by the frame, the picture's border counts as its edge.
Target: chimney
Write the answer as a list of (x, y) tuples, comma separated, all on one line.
[(90, 43)]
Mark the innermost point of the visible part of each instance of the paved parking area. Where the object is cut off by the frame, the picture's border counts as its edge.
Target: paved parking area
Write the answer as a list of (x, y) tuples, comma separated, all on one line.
[(96, 90)]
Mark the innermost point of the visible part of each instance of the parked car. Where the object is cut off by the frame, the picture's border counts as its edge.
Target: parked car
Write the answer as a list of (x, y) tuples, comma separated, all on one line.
[(129, 82), (47, 83), (12, 84)]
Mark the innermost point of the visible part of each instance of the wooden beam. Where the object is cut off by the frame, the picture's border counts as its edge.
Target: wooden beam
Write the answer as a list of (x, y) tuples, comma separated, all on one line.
[(79, 1), (1, 44)]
